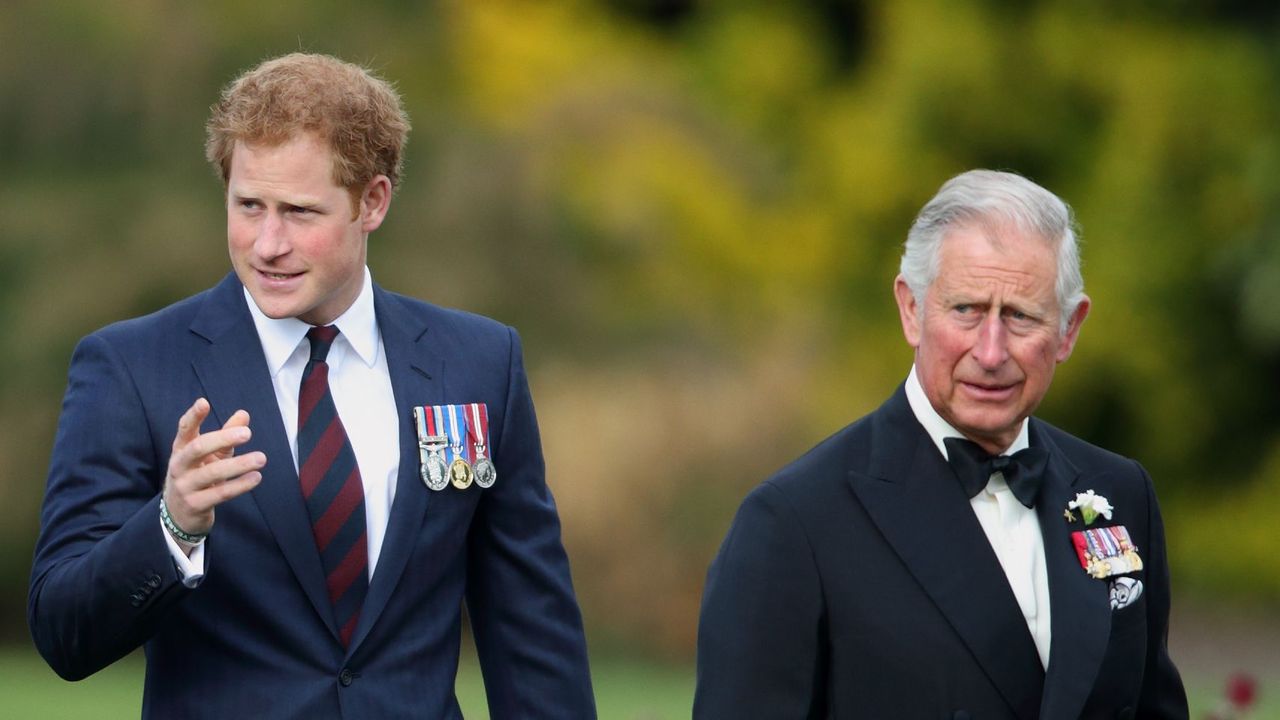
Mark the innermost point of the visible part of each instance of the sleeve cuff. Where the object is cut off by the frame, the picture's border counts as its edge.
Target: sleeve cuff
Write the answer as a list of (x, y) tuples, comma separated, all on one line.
[(190, 569)]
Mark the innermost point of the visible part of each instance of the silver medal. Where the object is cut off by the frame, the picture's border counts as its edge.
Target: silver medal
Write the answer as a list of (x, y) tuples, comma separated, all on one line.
[(431, 465), (433, 473), (485, 472)]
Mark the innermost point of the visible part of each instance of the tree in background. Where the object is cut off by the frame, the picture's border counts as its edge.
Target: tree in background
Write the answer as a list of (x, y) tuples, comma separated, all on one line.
[(694, 212)]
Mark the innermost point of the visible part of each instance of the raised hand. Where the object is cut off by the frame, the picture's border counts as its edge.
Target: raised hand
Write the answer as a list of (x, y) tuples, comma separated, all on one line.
[(204, 470)]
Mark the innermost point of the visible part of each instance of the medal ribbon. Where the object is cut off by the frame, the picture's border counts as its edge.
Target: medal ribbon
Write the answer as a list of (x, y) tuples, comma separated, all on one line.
[(1121, 535), (1108, 542), (1095, 544), (437, 427), (420, 422), (478, 431), (457, 431)]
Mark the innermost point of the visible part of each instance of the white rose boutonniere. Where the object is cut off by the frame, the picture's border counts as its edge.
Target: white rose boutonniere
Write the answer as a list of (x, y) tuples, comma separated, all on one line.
[(1090, 506)]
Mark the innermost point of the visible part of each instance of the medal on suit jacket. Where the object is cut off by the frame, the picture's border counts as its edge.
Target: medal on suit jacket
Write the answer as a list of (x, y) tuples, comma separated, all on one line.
[(459, 469), (478, 433), (1106, 551), (431, 441)]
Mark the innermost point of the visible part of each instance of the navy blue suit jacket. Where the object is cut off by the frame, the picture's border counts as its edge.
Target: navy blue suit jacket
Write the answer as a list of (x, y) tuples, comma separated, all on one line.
[(858, 583), (257, 637)]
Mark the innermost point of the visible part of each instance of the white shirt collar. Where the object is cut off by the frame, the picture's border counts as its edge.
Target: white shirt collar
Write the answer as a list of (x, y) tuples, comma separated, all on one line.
[(938, 428), (358, 325)]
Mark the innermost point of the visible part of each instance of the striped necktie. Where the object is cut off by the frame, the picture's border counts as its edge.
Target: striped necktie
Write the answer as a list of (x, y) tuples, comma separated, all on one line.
[(332, 488)]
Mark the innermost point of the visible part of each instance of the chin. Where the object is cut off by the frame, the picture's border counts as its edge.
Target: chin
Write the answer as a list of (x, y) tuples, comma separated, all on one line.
[(987, 424), (274, 311)]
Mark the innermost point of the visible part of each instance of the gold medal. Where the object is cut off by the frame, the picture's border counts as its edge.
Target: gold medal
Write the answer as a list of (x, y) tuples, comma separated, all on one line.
[(460, 474)]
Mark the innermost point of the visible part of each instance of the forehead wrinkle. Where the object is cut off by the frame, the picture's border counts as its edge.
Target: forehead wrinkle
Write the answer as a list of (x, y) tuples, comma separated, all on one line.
[(995, 265), (1006, 279), (995, 286)]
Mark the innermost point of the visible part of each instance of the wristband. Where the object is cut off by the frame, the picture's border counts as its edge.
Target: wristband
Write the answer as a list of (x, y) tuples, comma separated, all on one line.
[(177, 532)]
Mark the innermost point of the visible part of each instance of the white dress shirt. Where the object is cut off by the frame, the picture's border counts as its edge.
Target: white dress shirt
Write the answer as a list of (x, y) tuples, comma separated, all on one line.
[(361, 387), (1012, 528)]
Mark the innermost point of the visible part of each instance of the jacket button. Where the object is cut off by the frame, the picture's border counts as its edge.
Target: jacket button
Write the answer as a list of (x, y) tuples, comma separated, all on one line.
[(154, 582), (135, 600), (346, 676)]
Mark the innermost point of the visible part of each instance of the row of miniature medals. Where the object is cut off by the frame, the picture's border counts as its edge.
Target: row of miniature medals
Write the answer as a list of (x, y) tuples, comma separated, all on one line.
[(452, 445)]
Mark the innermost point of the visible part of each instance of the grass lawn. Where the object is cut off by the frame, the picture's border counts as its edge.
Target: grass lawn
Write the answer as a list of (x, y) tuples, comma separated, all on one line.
[(625, 690)]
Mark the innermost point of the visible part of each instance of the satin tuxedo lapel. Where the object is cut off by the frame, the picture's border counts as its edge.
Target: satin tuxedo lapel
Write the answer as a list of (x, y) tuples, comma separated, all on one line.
[(1081, 609), (417, 378), (916, 502), (234, 374)]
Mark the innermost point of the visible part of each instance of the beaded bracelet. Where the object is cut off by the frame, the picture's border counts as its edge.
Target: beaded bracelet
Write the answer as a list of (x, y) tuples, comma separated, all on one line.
[(177, 532)]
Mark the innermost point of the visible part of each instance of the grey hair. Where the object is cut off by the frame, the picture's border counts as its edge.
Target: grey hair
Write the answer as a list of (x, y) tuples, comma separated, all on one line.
[(992, 198)]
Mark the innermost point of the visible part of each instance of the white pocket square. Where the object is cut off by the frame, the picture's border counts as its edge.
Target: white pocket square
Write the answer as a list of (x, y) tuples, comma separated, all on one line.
[(1125, 591)]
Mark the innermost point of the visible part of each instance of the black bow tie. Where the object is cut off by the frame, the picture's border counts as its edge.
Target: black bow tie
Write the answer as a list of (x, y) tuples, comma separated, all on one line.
[(1022, 470)]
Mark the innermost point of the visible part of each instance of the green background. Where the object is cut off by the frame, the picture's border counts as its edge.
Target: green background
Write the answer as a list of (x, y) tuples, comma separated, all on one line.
[(693, 212)]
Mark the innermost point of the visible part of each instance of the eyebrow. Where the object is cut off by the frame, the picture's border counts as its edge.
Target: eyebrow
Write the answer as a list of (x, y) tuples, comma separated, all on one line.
[(302, 202)]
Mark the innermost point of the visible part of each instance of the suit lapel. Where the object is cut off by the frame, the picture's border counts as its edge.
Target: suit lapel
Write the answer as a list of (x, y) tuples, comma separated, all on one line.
[(234, 374), (919, 507), (1080, 608), (417, 378)]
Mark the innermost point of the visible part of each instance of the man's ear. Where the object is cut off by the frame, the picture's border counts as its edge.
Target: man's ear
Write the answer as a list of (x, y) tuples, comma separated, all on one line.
[(375, 200), (908, 310), (1073, 329)]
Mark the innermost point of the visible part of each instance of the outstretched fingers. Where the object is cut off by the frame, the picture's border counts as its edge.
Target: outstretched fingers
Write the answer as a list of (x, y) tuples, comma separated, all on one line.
[(239, 418), (204, 470)]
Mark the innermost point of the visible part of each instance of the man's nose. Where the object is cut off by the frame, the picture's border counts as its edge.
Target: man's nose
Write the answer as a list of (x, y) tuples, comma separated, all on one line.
[(992, 347), (273, 238)]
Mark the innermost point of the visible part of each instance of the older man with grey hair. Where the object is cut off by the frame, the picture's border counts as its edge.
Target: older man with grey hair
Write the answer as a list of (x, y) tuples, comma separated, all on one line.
[(949, 555)]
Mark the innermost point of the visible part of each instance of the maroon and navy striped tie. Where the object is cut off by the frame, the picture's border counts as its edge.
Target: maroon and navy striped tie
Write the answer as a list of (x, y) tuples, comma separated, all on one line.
[(332, 488)]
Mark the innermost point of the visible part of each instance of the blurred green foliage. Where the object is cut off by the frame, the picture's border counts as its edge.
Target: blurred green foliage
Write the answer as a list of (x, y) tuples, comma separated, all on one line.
[(693, 211)]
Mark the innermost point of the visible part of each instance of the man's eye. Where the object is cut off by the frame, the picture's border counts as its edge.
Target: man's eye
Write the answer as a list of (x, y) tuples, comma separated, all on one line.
[(962, 309)]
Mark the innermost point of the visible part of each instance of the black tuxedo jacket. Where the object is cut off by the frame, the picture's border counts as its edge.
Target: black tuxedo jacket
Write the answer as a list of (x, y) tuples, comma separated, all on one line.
[(858, 583)]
